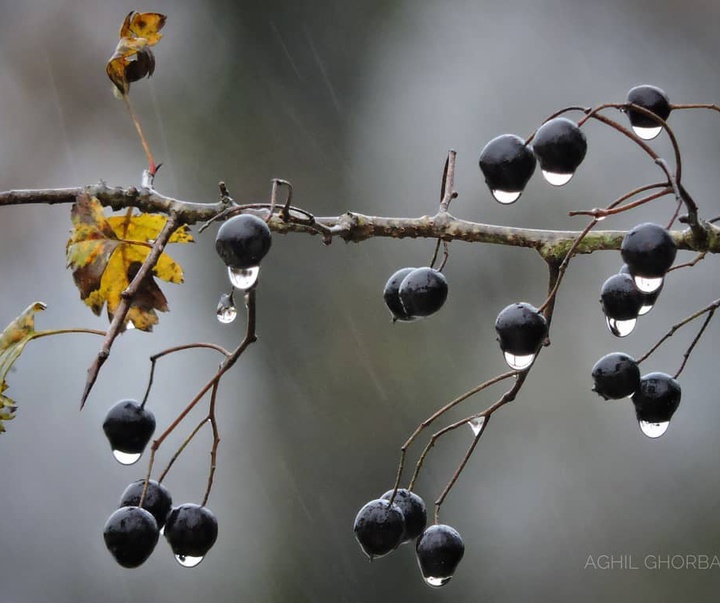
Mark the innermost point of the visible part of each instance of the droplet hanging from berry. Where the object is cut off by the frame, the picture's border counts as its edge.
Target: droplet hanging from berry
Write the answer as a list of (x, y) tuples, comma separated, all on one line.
[(560, 147), (653, 99), (507, 164), (226, 311)]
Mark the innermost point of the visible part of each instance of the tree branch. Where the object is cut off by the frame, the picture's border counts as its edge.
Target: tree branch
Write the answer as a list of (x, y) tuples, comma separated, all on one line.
[(357, 227)]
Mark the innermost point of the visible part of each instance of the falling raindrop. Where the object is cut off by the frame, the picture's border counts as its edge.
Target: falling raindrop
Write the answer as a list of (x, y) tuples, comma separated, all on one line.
[(188, 561), (243, 278), (226, 310), (476, 424), (645, 309), (620, 328), (519, 363), (653, 430), (557, 179), (647, 133), (648, 285), (126, 458), (506, 197), (437, 582)]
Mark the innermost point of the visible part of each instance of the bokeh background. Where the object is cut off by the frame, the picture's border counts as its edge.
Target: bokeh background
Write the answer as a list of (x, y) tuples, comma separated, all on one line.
[(357, 103)]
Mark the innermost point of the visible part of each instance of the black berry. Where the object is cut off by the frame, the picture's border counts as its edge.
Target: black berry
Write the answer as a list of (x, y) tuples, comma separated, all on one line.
[(423, 292), (243, 241), (413, 510), (507, 164), (131, 534), (379, 528), (128, 427), (616, 376), (439, 551), (157, 499), (560, 146), (648, 250), (521, 329), (620, 298), (657, 398), (191, 530), (653, 99), (391, 295)]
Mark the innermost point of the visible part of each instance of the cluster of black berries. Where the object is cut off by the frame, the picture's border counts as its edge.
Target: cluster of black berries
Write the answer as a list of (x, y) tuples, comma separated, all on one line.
[(559, 146), (385, 523), (132, 531), (648, 251), (412, 293), (656, 396)]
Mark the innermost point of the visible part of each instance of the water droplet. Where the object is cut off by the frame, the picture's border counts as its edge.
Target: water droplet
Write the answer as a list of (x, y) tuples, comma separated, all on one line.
[(645, 309), (188, 561), (437, 582), (648, 285), (621, 328), (243, 278), (653, 430), (647, 133), (557, 179), (476, 424), (126, 458), (600, 218), (129, 325), (506, 197), (519, 363), (226, 310)]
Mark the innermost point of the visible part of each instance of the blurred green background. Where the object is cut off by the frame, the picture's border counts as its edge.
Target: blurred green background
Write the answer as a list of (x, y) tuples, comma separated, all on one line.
[(357, 103)]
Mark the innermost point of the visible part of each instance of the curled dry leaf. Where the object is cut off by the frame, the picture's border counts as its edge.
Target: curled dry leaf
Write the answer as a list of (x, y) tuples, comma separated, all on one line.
[(133, 59), (106, 253), (12, 342)]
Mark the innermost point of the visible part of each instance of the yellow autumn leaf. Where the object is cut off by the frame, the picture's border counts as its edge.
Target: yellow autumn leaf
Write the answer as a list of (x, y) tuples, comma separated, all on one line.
[(12, 342), (106, 253)]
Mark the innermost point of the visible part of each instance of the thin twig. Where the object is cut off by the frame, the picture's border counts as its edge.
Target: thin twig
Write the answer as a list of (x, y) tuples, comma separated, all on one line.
[(686, 355), (216, 442), (118, 322), (178, 348), (711, 307)]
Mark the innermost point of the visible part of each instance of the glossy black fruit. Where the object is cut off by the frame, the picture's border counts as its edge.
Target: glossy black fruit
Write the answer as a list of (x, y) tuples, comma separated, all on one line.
[(560, 146), (131, 534), (379, 528), (507, 164), (521, 329), (657, 398), (423, 292), (439, 551), (191, 530), (157, 499), (129, 427), (242, 241), (616, 376), (648, 250), (391, 295), (651, 98), (413, 510), (620, 298)]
